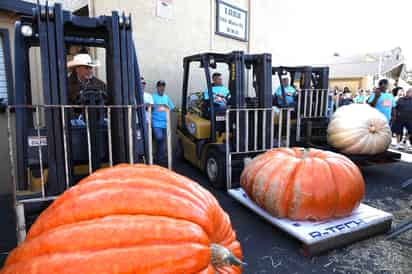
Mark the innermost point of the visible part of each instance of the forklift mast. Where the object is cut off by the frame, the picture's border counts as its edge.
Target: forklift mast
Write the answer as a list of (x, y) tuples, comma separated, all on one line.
[(53, 31), (313, 103), (237, 62), (310, 79), (262, 78)]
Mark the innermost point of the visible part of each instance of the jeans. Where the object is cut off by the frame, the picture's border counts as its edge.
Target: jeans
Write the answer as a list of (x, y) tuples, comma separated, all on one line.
[(160, 135)]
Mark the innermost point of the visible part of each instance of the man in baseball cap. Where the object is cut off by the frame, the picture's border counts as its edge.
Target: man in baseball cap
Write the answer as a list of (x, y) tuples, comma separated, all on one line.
[(81, 76), (161, 103), (284, 95)]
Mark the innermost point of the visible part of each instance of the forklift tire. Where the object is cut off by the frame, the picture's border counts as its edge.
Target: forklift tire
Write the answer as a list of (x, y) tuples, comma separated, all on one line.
[(215, 169)]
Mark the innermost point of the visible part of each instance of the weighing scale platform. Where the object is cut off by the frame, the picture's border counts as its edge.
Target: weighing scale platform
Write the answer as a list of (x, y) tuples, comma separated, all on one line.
[(318, 237)]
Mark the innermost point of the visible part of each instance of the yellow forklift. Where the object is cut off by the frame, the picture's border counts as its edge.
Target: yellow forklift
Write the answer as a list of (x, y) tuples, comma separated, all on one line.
[(203, 132)]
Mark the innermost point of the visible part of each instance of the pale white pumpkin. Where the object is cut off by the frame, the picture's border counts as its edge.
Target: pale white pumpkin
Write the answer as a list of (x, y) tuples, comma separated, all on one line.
[(359, 129)]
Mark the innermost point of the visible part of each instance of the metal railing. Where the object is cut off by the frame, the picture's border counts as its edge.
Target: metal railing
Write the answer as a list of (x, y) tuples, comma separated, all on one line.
[(312, 103), (315, 103), (39, 140), (248, 127)]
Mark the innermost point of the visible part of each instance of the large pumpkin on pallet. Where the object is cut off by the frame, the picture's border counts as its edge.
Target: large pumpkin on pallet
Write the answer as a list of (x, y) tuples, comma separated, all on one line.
[(130, 219), (304, 184), (359, 129)]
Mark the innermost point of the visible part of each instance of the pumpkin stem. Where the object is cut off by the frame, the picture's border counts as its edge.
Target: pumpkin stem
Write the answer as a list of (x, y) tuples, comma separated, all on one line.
[(372, 129), (221, 256)]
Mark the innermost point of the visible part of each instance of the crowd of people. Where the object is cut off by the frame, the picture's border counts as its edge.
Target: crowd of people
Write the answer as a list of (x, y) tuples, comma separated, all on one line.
[(395, 104)]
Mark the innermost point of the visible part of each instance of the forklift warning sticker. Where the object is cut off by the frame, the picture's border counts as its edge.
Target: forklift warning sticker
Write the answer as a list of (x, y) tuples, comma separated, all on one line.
[(37, 141), (312, 232)]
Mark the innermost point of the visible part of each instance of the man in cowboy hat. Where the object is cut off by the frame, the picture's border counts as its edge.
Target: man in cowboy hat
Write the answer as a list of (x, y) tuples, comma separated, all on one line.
[(82, 78)]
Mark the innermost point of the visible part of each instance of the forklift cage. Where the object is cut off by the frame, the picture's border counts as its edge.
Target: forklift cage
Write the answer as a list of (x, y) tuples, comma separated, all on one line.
[(312, 104), (39, 140), (259, 144), (312, 109), (53, 31)]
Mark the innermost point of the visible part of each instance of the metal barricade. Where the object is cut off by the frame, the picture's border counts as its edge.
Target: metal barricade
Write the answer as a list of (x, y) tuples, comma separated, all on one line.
[(251, 136), (38, 140)]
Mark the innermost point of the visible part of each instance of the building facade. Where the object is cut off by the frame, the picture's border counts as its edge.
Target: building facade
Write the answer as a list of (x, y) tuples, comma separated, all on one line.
[(362, 71), (188, 27), (167, 30)]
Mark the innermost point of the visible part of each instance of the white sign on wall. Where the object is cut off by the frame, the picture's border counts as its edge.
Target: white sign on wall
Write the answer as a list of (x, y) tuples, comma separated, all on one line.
[(165, 8), (231, 21)]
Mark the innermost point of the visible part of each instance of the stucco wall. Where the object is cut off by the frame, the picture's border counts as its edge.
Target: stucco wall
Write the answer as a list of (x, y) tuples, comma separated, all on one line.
[(162, 43), (352, 83)]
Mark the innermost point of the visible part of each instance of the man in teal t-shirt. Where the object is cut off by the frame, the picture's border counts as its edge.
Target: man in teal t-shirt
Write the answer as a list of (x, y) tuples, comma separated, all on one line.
[(159, 120), (219, 91), (289, 100), (382, 100)]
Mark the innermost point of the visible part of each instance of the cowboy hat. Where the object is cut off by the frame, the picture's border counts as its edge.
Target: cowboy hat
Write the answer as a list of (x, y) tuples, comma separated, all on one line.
[(82, 59)]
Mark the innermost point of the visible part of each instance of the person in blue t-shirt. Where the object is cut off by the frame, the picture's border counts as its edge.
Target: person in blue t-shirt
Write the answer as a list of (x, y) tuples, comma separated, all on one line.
[(382, 100), (219, 91), (161, 102), (290, 92), (360, 97)]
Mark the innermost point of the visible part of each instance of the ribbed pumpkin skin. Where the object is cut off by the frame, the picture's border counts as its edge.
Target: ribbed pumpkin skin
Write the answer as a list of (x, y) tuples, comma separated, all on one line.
[(304, 184), (127, 219), (359, 129)]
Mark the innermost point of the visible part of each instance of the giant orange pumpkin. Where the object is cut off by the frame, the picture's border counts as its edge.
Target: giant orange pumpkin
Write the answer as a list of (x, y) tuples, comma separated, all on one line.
[(130, 219), (304, 184)]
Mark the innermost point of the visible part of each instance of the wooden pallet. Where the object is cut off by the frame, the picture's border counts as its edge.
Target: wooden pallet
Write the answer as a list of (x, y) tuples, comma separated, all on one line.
[(318, 237)]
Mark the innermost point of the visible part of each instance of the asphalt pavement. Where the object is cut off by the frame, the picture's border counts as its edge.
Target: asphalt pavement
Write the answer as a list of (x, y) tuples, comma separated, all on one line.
[(268, 250)]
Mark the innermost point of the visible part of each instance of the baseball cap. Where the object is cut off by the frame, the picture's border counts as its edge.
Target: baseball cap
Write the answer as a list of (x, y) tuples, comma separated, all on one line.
[(161, 83)]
